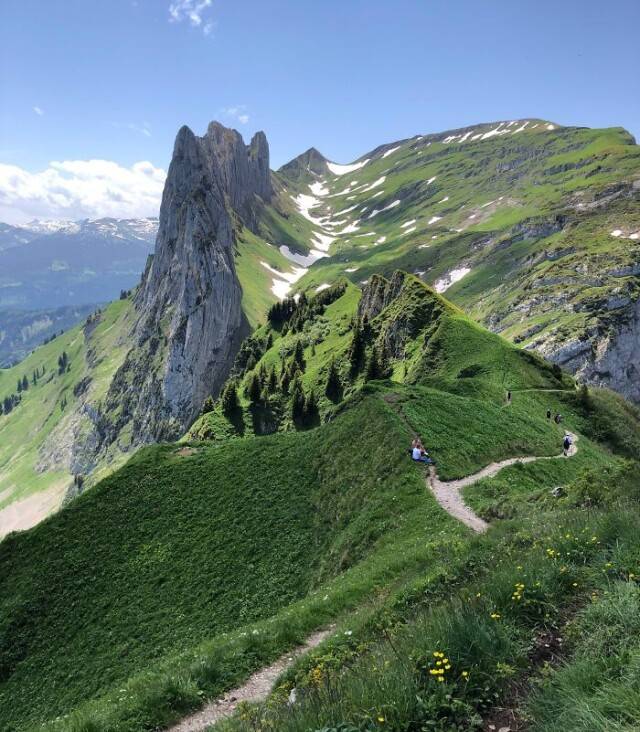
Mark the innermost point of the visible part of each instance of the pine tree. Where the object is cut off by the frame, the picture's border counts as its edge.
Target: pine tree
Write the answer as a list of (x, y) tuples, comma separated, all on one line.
[(229, 398), (285, 380), (262, 374), (333, 389), (269, 343), (310, 408), (384, 361), (251, 363), (272, 382), (298, 355), (356, 351), (208, 405), (373, 366), (19, 385), (25, 383), (255, 389), (297, 400)]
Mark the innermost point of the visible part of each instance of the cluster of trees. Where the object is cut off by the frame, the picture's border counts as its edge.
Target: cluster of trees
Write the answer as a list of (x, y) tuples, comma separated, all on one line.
[(63, 363), (10, 402), (124, 294), (377, 365), (290, 315)]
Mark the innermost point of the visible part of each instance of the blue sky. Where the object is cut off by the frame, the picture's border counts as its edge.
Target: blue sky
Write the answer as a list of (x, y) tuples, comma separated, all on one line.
[(113, 81)]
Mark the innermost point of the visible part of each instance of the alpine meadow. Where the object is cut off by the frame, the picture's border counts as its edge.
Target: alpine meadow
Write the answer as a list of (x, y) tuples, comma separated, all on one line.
[(358, 451)]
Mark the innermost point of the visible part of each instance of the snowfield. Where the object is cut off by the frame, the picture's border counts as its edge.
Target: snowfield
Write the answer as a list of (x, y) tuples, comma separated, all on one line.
[(444, 283), (338, 169)]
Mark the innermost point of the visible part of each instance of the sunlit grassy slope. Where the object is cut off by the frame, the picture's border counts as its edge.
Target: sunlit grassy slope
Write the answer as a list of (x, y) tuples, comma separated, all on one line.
[(37, 434), (527, 214), (194, 563)]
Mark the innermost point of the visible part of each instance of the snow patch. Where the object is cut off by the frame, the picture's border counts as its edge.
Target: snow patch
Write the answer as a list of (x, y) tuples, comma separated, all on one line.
[(323, 286), (390, 152), (433, 219), (283, 281), (444, 200), (376, 211), (351, 228), (408, 223), (351, 269), (409, 230), (444, 283), (318, 189), (375, 184), (305, 260), (323, 241), (338, 169), (551, 127), (465, 136), (616, 232), (381, 240), (431, 180)]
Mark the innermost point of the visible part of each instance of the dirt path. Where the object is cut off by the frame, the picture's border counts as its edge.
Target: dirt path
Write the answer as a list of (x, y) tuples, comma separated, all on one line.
[(255, 689), (449, 493)]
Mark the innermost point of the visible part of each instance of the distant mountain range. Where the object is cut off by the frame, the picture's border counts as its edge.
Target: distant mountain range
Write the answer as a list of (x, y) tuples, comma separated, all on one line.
[(52, 273)]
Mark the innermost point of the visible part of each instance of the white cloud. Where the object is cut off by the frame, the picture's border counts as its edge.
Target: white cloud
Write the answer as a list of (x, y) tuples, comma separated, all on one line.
[(193, 12), (239, 113), (75, 189), (39, 111)]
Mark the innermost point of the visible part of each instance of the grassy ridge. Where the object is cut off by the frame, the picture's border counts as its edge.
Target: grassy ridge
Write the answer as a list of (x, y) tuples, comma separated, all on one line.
[(177, 547)]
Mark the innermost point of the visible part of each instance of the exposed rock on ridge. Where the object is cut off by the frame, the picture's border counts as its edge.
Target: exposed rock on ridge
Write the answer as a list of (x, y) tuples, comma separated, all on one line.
[(190, 320)]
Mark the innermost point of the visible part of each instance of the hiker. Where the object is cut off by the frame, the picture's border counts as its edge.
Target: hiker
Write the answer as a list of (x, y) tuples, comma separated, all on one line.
[(509, 396), (558, 418), (566, 444), (419, 454), (548, 414)]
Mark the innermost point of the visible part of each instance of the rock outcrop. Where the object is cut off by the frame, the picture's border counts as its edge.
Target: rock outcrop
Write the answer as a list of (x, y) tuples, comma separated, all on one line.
[(610, 359), (305, 167), (190, 320)]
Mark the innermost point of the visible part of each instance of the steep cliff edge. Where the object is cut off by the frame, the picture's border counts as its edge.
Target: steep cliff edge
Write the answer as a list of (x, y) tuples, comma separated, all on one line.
[(189, 305)]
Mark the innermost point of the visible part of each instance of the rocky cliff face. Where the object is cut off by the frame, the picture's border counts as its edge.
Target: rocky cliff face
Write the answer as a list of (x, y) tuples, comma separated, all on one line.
[(605, 357), (190, 321)]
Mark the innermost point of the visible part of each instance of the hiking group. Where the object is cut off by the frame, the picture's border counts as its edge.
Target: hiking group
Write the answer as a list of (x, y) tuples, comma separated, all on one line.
[(420, 455)]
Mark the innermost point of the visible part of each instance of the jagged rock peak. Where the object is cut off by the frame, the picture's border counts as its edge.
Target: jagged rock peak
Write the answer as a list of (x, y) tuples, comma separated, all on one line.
[(307, 165), (190, 320)]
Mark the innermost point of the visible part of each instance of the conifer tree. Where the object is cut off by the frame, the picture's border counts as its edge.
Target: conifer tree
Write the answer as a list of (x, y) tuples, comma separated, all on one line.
[(373, 365), (310, 408), (255, 389), (356, 351), (285, 380), (25, 383), (298, 355), (208, 405), (333, 389), (297, 400), (229, 400), (272, 383)]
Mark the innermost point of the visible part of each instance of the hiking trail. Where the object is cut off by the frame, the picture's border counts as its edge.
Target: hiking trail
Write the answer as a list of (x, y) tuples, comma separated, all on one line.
[(255, 689), (449, 496)]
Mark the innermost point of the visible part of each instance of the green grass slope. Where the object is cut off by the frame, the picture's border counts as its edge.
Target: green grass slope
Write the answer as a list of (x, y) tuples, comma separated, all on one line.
[(36, 436), (543, 221)]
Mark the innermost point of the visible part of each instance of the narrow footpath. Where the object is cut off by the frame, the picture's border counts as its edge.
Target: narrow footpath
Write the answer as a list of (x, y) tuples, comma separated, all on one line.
[(255, 689), (258, 686), (449, 493)]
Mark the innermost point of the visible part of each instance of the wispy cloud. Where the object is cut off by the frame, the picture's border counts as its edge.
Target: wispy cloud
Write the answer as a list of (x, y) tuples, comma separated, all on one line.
[(142, 129), (194, 12), (238, 113), (75, 189), (39, 111)]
